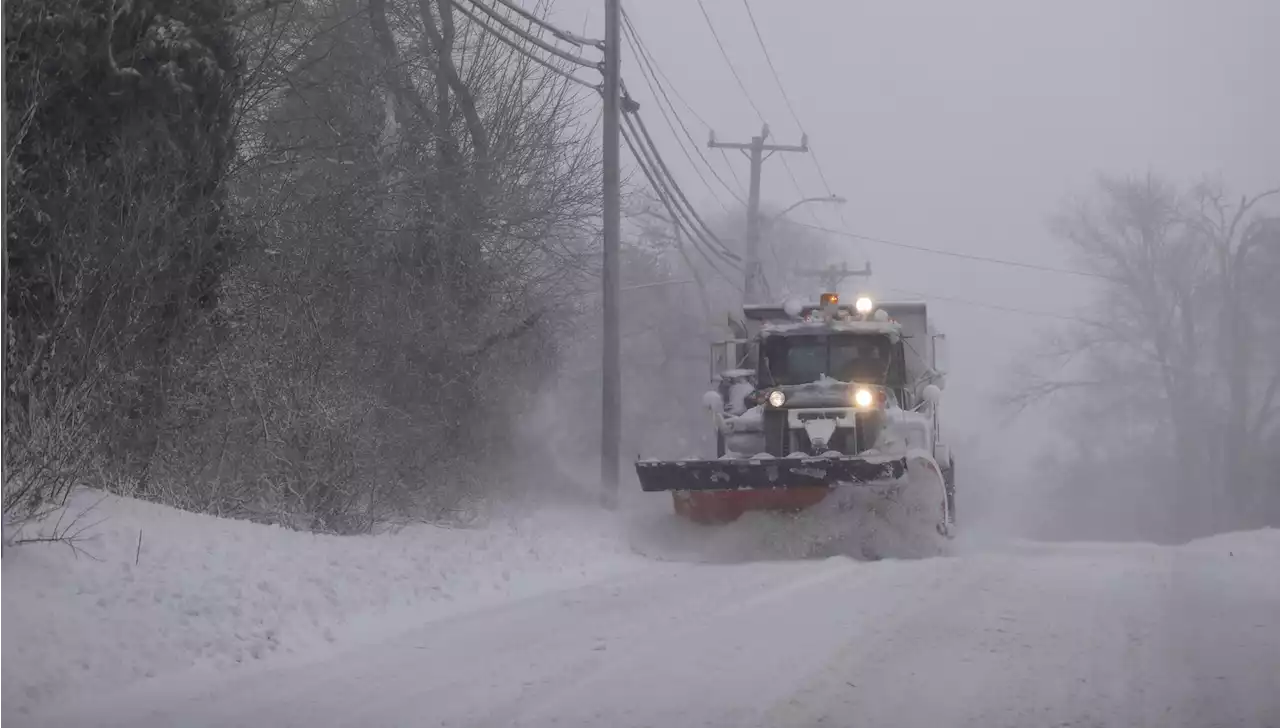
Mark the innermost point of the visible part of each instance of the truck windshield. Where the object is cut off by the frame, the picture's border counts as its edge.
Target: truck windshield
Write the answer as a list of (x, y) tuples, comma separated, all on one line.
[(849, 358)]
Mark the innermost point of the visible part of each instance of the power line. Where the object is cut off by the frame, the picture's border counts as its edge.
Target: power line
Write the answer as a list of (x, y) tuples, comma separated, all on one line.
[(660, 78), (679, 192), (523, 50), (657, 67), (684, 149), (777, 78), (736, 179), (656, 171), (563, 35), (822, 175), (647, 69), (662, 186), (565, 55), (659, 176), (667, 117), (952, 254), (727, 60), (995, 306), (661, 180), (769, 59), (676, 220), (656, 284)]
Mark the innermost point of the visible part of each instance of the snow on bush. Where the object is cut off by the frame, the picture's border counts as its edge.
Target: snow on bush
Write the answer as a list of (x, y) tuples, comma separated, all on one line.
[(211, 593)]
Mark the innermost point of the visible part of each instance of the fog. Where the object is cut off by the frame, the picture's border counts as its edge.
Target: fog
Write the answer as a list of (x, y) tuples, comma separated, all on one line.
[(302, 365), (963, 127), (356, 323)]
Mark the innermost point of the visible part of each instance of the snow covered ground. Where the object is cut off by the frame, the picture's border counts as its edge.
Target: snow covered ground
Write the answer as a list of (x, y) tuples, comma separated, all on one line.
[(208, 593), (555, 621)]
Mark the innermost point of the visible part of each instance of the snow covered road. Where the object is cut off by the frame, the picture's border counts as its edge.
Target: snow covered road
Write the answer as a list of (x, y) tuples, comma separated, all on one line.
[(1028, 635)]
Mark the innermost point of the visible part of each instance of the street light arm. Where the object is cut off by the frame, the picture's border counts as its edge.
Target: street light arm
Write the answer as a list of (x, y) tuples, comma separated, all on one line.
[(834, 199)]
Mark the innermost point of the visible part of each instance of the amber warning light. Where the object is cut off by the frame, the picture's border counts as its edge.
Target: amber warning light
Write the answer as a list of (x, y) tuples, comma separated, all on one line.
[(829, 299)]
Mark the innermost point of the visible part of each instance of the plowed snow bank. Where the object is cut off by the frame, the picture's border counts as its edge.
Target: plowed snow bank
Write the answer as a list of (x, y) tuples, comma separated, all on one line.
[(210, 592)]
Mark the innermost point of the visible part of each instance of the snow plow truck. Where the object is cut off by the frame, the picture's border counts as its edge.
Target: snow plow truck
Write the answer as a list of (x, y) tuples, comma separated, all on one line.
[(814, 397)]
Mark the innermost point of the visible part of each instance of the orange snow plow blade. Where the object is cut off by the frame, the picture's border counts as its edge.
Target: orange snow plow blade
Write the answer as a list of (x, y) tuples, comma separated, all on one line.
[(720, 491), (765, 474)]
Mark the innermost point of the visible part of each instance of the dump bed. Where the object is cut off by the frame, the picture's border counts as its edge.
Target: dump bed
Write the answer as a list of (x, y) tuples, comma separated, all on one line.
[(917, 334)]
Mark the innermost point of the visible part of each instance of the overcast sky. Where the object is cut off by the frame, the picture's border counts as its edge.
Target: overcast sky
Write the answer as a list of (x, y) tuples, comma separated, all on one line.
[(963, 125)]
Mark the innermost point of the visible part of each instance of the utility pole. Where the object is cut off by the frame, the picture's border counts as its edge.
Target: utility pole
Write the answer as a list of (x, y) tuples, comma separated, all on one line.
[(755, 151), (611, 414), (4, 273), (831, 276)]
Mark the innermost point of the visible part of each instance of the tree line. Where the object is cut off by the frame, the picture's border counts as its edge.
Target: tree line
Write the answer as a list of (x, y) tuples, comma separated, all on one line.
[(1168, 389), (299, 262)]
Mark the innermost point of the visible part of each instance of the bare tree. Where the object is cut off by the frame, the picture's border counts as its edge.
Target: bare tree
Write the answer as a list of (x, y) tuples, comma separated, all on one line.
[(1169, 366), (1248, 377), (421, 198)]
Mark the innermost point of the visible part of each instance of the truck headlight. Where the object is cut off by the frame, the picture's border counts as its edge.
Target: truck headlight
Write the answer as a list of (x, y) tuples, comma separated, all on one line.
[(777, 398), (863, 397)]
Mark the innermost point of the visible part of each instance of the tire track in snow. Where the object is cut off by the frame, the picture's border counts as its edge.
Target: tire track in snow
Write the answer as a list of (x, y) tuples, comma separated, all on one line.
[(567, 686), (739, 658), (880, 645)]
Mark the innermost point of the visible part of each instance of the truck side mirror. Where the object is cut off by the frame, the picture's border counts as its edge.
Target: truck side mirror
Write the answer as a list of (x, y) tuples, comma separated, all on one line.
[(941, 354)]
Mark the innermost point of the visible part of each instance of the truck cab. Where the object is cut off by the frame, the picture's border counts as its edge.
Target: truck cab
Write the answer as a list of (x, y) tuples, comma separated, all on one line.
[(796, 366)]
